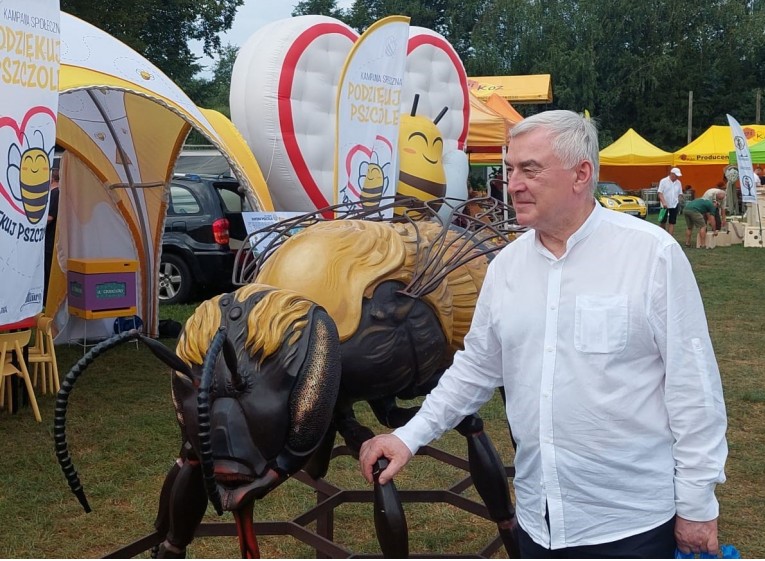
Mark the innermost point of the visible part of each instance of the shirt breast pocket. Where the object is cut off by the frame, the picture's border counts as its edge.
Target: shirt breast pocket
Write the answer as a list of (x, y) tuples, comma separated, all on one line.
[(600, 325)]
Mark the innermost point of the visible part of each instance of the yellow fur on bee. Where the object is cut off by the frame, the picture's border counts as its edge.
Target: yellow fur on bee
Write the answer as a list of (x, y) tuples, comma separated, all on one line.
[(338, 263), (333, 263), (264, 336)]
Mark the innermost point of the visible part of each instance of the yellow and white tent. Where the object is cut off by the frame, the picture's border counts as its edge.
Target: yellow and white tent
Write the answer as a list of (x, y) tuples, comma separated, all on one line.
[(122, 123)]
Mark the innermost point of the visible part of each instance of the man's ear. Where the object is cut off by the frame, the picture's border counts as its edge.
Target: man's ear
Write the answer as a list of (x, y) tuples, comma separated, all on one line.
[(584, 171)]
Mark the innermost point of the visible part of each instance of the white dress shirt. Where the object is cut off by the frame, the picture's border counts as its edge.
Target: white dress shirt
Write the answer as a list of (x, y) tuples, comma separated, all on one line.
[(671, 191), (613, 392)]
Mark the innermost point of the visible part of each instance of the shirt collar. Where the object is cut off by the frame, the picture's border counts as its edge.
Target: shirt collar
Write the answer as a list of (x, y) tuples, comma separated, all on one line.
[(595, 217)]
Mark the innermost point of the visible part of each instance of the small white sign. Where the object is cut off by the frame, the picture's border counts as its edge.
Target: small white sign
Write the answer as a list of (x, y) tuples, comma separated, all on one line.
[(254, 221)]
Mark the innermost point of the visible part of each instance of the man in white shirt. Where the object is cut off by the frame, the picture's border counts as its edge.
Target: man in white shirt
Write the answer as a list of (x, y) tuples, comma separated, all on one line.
[(670, 190), (593, 323)]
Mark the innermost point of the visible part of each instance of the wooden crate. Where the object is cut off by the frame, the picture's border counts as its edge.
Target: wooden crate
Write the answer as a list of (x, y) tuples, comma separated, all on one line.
[(753, 237)]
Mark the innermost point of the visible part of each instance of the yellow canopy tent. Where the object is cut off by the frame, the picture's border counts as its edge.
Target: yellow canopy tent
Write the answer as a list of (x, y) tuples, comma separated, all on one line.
[(487, 134), (533, 88), (633, 162), (122, 123), (500, 105), (702, 161), (487, 137)]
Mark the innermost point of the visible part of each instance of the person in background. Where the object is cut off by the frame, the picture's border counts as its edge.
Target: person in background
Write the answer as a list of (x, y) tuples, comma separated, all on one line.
[(50, 227), (687, 195), (714, 194), (760, 174), (670, 190), (593, 324), (698, 213)]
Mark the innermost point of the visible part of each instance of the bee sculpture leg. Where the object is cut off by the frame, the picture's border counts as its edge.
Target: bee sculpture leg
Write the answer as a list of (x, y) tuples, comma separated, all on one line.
[(390, 414), (486, 467), (490, 481), (390, 521), (182, 504)]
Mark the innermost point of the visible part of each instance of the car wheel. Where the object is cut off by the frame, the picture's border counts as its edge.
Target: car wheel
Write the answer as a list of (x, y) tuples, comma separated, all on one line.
[(175, 282)]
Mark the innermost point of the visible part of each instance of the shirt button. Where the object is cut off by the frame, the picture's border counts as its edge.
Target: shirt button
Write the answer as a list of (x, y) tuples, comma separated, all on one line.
[(546, 394), (553, 307), (548, 348)]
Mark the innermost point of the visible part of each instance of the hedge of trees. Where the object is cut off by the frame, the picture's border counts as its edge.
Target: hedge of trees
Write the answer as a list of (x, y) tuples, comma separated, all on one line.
[(629, 63)]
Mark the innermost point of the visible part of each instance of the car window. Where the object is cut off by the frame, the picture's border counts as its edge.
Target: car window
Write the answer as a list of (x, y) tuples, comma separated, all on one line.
[(203, 163), (231, 200), (183, 201), (610, 189)]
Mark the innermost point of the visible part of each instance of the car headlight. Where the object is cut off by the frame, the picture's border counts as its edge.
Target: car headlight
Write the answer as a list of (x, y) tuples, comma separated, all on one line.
[(641, 202), (610, 203)]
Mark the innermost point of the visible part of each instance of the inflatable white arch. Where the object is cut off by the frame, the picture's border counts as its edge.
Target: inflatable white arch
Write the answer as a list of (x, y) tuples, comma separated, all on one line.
[(283, 100)]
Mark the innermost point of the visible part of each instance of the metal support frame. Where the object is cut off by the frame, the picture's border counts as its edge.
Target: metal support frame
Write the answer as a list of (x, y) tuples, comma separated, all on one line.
[(329, 497)]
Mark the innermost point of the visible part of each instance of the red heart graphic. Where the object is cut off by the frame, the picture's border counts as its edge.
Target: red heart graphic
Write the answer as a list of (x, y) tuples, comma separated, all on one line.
[(280, 100)]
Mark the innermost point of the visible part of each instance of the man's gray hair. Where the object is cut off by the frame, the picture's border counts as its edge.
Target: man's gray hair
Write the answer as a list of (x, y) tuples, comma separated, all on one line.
[(574, 137)]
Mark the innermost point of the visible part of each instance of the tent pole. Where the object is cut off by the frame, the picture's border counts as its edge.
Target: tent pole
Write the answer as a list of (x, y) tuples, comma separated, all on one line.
[(504, 180), (148, 278)]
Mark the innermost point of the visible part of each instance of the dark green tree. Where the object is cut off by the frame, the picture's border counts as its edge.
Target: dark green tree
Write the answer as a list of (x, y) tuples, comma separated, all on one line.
[(161, 29), (423, 13), (318, 7), (215, 94)]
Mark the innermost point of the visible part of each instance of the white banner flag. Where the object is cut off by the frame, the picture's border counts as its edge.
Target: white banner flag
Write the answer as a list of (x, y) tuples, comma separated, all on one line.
[(368, 100), (749, 181), (29, 64)]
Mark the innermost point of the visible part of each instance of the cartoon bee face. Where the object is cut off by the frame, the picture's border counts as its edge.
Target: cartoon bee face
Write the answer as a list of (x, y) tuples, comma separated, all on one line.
[(374, 182), (29, 176), (421, 167)]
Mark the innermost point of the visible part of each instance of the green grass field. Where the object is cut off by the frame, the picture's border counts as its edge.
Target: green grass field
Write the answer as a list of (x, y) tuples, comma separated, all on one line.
[(123, 438)]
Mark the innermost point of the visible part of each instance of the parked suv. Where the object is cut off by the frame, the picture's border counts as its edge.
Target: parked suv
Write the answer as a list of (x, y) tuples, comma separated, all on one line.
[(203, 230)]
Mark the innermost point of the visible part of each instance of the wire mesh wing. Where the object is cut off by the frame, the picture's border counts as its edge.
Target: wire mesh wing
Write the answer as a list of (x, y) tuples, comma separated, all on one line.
[(483, 225)]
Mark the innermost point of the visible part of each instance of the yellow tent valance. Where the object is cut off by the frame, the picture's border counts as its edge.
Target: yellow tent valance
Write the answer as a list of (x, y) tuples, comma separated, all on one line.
[(715, 144), (533, 88)]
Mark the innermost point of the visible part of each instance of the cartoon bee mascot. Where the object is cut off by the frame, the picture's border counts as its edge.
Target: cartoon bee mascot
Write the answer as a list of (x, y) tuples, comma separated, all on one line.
[(29, 176), (421, 167)]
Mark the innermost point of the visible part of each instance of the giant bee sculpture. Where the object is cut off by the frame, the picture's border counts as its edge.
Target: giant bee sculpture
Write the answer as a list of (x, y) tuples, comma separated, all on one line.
[(330, 313)]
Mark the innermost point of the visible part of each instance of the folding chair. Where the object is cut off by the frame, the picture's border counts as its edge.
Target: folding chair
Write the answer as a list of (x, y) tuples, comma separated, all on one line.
[(42, 356), (11, 347)]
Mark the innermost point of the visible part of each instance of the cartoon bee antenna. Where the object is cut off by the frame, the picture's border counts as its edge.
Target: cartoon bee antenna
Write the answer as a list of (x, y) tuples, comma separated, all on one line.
[(414, 110), (414, 104)]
